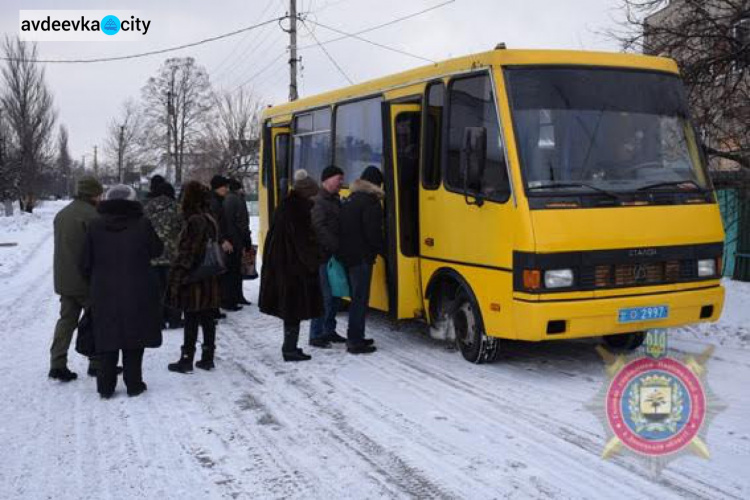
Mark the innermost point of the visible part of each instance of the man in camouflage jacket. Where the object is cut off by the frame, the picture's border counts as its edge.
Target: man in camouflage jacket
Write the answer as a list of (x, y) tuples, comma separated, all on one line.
[(163, 212)]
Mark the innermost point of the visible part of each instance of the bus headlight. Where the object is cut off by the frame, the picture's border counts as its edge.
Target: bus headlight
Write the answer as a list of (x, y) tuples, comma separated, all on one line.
[(706, 267), (558, 278)]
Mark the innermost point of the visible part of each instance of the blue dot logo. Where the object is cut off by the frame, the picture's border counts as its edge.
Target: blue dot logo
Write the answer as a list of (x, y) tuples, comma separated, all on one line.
[(110, 25)]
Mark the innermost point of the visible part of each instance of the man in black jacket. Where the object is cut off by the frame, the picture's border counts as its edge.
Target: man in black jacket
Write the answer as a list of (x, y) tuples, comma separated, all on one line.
[(326, 221), (237, 227), (220, 188), (361, 241)]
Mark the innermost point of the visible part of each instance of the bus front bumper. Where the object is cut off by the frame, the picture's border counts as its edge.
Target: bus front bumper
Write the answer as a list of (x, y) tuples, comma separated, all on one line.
[(566, 319)]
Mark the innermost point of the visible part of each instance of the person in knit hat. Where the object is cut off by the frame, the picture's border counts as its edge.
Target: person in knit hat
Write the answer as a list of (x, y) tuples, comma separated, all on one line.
[(326, 219), (71, 225), (289, 286)]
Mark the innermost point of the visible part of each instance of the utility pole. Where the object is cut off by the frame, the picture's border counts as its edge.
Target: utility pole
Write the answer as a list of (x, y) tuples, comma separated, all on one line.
[(293, 50), (96, 165), (121, 145)]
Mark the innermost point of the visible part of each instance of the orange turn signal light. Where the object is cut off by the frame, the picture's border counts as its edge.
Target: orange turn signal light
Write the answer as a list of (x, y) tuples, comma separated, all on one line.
[(532, 279)]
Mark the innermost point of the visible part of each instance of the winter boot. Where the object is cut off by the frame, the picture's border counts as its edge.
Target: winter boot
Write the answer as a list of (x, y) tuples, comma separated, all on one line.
[(62, 374), (289, 350), (297, 355), (185, 364), (207, 358)]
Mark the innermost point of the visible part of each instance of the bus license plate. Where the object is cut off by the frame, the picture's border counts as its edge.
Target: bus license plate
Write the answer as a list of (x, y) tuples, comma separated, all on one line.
[(635, 314)]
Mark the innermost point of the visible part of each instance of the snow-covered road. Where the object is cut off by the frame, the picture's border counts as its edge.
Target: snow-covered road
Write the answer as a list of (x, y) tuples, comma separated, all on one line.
[(412, 420)]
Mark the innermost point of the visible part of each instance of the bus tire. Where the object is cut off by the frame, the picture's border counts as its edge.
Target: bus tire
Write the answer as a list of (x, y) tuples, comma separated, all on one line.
[(474, 344), (624, 341)]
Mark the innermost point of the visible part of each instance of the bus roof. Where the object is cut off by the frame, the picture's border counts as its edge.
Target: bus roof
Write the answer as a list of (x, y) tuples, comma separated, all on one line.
[(498, 57)]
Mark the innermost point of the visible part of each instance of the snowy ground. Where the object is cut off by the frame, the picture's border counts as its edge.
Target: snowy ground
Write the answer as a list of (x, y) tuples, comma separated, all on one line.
[(412, 420)]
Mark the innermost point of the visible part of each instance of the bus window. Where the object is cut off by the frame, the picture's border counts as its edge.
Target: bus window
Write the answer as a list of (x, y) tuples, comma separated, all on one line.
[(472, 104), (282, 165), (312, 141), (359, 137), (433, 113)]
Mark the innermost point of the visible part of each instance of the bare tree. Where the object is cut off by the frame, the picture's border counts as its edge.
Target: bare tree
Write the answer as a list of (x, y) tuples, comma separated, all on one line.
[(710, 39), (125, 137), (64, 163), (177, 101), (234, 131), (27, 107)]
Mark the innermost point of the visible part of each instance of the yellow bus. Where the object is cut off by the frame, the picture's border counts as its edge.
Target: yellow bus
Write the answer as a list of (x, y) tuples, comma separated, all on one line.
[(530, 194)]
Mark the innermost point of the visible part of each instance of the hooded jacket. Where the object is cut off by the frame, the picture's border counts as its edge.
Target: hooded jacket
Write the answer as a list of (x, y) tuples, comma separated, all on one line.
[(361, 238), (125, 302)]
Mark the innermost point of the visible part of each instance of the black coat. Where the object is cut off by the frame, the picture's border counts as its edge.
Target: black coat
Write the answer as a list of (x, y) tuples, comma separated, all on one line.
[(237, 222), (217, 212), (326, 220), (126, 306), (361, 238), (289, 284)]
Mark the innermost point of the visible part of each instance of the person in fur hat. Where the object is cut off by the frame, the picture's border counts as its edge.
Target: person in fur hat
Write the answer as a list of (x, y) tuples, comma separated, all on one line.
[(289, 285)]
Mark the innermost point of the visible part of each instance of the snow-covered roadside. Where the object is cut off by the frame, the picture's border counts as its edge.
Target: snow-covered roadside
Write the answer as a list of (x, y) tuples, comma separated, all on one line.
[(733, 328), (412, 420), (22, 234)]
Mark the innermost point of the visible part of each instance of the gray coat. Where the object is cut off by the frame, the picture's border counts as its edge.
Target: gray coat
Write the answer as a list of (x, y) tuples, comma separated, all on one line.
[(326, 221), (71, 225)]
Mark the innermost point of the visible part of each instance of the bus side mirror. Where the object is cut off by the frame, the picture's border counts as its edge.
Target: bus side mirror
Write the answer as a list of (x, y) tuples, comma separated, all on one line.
[(472, 161)]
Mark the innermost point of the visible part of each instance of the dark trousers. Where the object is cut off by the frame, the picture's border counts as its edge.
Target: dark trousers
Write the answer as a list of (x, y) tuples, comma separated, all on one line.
[(169, 315), (360, 277), (203, 319), (231, 281), (132, 362), (326, 324), (291, 336)]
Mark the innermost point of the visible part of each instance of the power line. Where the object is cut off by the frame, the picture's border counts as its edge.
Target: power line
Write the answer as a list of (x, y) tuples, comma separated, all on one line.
[(379, 26), (263, 48), (350, 35), (382, 46), (146, 54), (330, 57), (261, 71), (215, 70)]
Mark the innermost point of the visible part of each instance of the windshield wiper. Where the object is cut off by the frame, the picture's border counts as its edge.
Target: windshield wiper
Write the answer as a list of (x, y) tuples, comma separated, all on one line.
[(669, 183), (611, 194)]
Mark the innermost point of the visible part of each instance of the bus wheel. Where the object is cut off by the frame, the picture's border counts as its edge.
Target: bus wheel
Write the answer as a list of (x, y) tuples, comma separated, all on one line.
[(475, 346), (625, 341)]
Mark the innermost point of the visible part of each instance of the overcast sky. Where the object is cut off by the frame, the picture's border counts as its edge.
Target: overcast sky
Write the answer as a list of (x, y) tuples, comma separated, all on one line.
[(88, 96)]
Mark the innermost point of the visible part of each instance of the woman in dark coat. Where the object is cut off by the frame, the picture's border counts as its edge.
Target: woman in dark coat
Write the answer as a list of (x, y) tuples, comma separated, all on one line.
[(126, 310), (199, 299), (289, 284)]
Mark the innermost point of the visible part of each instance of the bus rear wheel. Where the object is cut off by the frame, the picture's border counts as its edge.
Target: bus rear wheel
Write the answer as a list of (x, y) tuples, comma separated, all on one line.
[(475, 345), (625, 341)]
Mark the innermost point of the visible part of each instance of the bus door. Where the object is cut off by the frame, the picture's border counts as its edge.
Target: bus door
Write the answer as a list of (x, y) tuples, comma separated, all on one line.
[(280, 140), (404, 284)]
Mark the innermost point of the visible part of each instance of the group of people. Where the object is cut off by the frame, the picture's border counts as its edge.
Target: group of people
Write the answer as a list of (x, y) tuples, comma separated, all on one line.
[(310, 227), (134, 268), (130, 265)]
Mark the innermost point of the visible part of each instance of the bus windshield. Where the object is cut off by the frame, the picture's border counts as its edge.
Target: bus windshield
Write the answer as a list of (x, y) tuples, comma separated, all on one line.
[(594, 130)]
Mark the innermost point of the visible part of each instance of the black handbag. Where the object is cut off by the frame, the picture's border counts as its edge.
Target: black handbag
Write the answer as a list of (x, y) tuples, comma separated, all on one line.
[(85, 337), (212, 263)]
